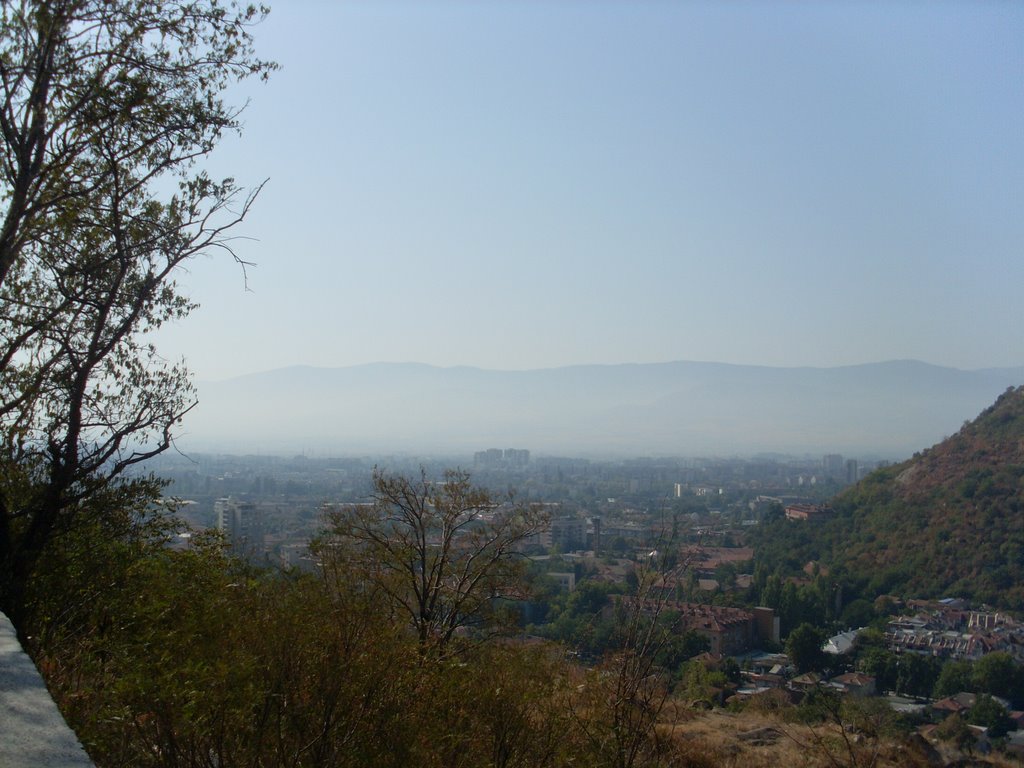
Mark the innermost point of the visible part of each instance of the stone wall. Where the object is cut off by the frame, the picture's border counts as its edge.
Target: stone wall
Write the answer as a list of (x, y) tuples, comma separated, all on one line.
[(33, 733)]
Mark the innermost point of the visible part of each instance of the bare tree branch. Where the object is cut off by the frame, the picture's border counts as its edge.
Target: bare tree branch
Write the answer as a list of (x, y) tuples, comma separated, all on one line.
[(441, 552)]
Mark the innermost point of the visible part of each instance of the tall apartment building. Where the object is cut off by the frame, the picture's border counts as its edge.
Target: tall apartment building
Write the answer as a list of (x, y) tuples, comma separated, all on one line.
[(833, 466), (241, 522), (494, 458), (566, 533)]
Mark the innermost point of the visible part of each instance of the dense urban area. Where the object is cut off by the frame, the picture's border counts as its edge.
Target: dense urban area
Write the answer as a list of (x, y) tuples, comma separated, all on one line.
[(745, 623), (508, 608), (269, 507)]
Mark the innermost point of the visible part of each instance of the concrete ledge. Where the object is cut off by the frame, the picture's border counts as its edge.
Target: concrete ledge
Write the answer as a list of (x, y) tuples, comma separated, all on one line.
[(33, 733)]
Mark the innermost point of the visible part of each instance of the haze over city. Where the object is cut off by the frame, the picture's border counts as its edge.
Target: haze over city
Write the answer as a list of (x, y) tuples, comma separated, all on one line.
[(535, 185), (615, 384)]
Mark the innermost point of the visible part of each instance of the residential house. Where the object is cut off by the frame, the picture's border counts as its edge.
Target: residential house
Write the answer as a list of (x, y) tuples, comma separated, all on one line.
[(855, 683)]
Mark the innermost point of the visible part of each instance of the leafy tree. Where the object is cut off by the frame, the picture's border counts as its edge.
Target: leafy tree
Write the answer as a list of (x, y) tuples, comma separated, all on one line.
[(803, 646), (191, 658), (438, 554), (916, 675), (771, 593), (104, 106), (619, 546), (955, 676), (580, 621), (698, 682), (682, 646), (998, 674), (796, 605), (624, 697), (881, 664), (731, 669), (844, 730), (590, 597), (502, 708), (990, 713), (953, 729), (858, 613)]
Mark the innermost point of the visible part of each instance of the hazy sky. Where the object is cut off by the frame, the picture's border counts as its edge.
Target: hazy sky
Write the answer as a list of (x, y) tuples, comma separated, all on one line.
[(537, 184)]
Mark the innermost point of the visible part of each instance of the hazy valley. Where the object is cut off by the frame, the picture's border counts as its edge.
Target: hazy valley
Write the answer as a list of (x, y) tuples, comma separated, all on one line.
[(888, 409), (503, 558)]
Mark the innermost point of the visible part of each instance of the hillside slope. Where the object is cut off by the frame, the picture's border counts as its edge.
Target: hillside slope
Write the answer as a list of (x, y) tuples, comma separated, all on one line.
[(949, 521)]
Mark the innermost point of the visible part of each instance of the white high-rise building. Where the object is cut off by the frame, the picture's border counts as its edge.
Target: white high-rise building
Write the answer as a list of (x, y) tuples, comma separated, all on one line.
[(242, 524)]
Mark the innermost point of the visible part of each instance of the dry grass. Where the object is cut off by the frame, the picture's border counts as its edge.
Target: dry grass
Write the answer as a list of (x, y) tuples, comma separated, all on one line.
[(721, 739)]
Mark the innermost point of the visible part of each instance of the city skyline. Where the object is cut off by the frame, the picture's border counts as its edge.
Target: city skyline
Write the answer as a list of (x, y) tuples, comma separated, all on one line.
[(522, 186)]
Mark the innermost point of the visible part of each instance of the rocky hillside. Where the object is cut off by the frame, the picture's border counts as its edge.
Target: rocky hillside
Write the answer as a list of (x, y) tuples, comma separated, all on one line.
[(947, 522), (950, 521)]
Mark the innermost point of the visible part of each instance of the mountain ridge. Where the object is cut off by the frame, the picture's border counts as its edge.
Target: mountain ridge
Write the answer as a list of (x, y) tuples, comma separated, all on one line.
[(412, 364), (680, 407)]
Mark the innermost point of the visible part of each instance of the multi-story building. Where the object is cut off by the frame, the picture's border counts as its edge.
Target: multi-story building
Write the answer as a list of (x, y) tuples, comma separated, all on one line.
[(242, 523), (807, 512), (729, 631), (833, 466), (496, 458), (567, 533), (950, 632)]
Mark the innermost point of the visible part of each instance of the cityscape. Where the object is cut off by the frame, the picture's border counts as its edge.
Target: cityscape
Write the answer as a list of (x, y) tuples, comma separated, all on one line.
[(511, 385), (269, 507)]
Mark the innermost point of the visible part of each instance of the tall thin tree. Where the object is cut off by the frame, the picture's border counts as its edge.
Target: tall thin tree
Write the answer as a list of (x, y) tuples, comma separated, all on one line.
[(104, 105)]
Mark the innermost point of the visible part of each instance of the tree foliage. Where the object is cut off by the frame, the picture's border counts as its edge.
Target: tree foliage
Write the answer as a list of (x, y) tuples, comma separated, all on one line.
[(803, 647), (105, 108), (625, 695), (441, 555), (194, 659), (844, 730), (960, 504), (191, 658), (992, 715)]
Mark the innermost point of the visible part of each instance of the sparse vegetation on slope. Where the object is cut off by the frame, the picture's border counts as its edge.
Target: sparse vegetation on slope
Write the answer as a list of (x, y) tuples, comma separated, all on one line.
[(949, 521)]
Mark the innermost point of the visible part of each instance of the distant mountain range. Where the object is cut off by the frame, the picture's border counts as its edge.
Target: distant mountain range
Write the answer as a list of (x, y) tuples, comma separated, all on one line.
[(888, 409)]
